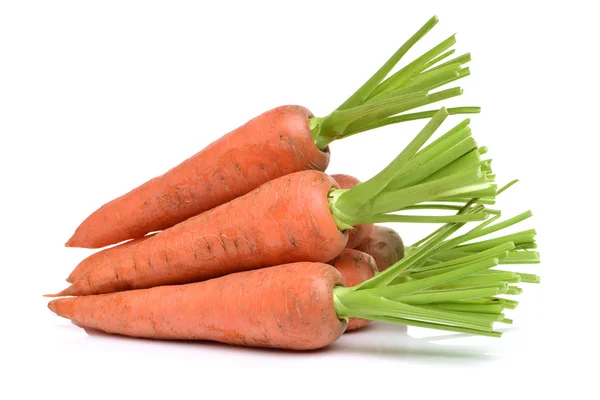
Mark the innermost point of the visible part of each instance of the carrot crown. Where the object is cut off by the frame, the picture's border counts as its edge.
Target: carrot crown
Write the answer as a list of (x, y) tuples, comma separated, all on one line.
[(448, 284), (380, 102), (447, 171)]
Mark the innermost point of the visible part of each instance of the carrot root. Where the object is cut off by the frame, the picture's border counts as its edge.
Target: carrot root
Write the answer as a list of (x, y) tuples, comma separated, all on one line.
[(288, 306)]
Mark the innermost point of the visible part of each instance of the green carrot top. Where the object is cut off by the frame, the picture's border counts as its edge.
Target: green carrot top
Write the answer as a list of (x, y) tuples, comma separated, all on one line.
[(447, 280), (449, 170), (380, 101)]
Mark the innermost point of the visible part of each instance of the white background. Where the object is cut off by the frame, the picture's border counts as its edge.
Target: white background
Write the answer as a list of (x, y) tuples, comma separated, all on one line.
[(97, 97)]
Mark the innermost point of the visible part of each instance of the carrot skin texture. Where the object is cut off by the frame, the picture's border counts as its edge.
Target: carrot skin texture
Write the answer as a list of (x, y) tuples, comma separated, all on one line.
[(273, 144), (283, 221), (360, 232), (355, 267), (99, 258), (384, 245), (287, 306)]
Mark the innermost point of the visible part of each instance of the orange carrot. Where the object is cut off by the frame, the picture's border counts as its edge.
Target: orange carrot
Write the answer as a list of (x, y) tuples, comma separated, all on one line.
[(278, 142), (285, 220), (303, 216), (288, 306), (361, 231), (271, 145), (384, 245), (355, 267)]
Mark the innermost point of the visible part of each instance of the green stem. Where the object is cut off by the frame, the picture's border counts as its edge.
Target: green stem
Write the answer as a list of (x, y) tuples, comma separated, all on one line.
[(418, 173), (441, 327), (326, 130), (447, 295), (488, 317), (470, 308), (411, 117), (401, 106), (527, 236), (458, 294), (412, 69), (411, 259), (393, 291), (356, 197), (367, 88), (439, 58), (477, 280), (512, 257), (514, 290), (362, 304), (381, 99), (462, 182), (424, 219), (462, 59), (424, 82)]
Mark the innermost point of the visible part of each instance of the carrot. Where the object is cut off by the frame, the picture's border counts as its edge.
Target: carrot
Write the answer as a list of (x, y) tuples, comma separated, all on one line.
[(355, 267), (303, 216), (384, 245), (299, 217), (278, 142), (269, 307), (305, 306), (361, 231)]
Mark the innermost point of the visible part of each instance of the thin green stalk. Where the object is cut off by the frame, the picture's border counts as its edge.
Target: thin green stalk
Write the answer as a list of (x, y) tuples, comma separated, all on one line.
[(476, 280), (410, 117), (412, 69), (367, 88), (527, 236), (430, 325), (350, 201), (424, 82), (399, 106), (512, 257), (471, 308), (475, 233), (523, 277), (394, 291), (326, 130), (481, 200), (465, 161), (522, 257), (439, 58), (437, 296), (381, 99), (514, 290), (462, 59), (510, 304), (424, 219), (416, 257), (458, 294), (363, 303), (488, 317), (397, 199), (508, 185), (428, 162)]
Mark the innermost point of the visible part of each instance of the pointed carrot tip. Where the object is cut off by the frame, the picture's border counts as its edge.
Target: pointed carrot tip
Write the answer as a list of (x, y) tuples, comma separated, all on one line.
[(70, 291), (52, 306)]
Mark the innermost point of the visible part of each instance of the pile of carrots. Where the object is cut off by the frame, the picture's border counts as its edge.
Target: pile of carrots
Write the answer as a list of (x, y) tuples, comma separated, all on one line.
[(250, 242)]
